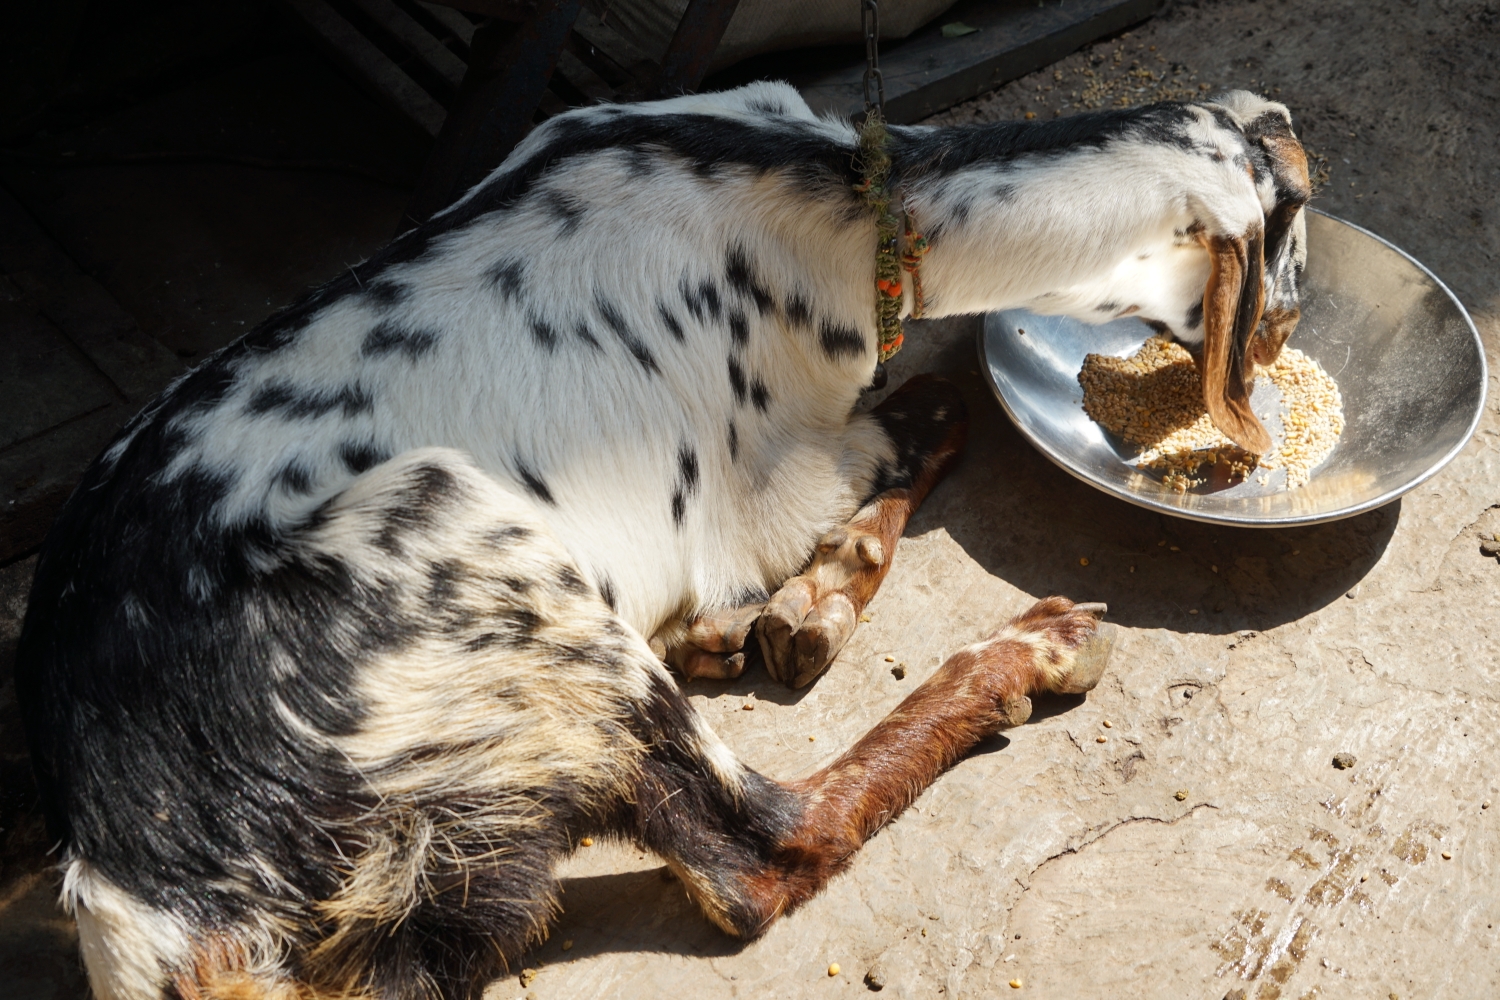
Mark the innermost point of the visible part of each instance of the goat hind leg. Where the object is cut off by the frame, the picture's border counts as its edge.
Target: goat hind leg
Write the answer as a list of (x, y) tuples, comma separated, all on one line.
[(749, 849)]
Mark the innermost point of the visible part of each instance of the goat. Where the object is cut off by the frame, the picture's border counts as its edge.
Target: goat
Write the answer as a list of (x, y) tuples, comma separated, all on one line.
[(354, 631)]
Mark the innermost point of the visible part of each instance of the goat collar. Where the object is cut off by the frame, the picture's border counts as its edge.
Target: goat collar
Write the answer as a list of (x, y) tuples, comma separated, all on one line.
[(874, 163)]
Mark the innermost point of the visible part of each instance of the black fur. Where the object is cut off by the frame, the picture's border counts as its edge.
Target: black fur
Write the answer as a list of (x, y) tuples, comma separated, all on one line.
[(615, 320), (839, 341), (389, 338), (534, 483), (286, 400)]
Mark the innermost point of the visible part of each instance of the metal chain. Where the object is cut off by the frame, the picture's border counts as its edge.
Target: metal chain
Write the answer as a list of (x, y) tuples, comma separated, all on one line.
[(869, 16)]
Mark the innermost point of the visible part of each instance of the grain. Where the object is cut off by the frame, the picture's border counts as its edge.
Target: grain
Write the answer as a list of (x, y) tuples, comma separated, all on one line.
[(1154, 400), (833, 969)]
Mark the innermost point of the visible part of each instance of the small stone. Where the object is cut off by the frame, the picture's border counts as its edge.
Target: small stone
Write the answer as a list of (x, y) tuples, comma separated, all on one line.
[(1180, 795), (1161, 543), (924, 932), (899, 671), (1192, 611), (812, 739), (1132, 569), (1364, 878), (833, 969), (527, 975), (1108, 725), (890, 659), (1174, 548), (1083, 560), (864, 618), (875, 981), (1343, 761), (1447, 855), (1099, 739), (1491, 547), (748, 706), (587, 842), (1015, 984), (1485, 804), (1018, 937), (1030, 115), (568, 945)]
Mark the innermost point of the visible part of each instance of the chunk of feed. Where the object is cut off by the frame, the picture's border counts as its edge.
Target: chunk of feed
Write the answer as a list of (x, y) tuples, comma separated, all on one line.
[(1154, 400)]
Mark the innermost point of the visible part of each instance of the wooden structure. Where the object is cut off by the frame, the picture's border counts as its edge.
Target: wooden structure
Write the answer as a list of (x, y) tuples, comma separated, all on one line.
[(477, 75)]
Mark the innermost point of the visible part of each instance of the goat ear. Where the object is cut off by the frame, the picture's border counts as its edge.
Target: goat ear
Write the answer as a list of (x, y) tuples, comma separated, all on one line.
[(1232, 305)]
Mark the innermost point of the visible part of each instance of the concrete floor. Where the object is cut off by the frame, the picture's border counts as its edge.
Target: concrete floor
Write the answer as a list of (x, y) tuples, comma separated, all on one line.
[(1069, 865)]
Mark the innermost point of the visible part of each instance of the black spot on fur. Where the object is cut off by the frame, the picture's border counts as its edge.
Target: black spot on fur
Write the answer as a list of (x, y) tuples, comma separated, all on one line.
[(616, 322), (443, 578), (389, 338), (766, 106), (670, 321), (565, 209), (687, 468), (607, 591), (508, 277), (542, 333), (361, 456), (586, 335), (1194, 317), (640, 163), (742, 278), (679, 507), (797, 310), (739, 328), (1107, 307), (292, 403), (839, 341), (569, 580), (737, 380), (534, 483), (416, 506), (386, 292), (294, 477), (759, 394), (510, 534), (734, 442), (702, 300)]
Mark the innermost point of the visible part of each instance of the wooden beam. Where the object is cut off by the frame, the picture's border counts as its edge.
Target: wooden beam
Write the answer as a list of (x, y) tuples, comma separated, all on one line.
[(416, 39), (367, 64), (509, 68), (693, 44), (926, 73), (503, 10)]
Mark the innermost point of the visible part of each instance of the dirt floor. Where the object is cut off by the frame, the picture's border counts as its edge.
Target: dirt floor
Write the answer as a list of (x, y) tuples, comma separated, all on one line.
[(1206, 847)]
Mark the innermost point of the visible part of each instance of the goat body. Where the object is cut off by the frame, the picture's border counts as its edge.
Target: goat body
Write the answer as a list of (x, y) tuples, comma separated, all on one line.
[(343, 643)]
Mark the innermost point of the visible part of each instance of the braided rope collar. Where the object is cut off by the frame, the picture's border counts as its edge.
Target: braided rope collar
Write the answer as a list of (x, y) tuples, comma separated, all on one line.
[(874, 164)]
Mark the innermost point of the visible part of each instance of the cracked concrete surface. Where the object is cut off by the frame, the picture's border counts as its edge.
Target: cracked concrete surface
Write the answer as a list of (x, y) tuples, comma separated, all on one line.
[(1207, 847)]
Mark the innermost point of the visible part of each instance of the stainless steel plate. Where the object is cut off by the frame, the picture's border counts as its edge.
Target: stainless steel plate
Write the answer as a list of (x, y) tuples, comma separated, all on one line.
[(1401, 347)]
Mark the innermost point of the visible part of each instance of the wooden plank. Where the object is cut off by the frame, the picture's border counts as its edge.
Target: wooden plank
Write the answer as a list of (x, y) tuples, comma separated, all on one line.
[(415, 39), (692, 47), (619, 49), (462, 27), (500, 95), (370, 66), (573, 69), (927, 73), (503, 10)]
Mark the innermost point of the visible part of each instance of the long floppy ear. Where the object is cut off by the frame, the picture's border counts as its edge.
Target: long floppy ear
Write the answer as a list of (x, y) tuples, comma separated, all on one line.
[(1286, 234), (1232, 304)]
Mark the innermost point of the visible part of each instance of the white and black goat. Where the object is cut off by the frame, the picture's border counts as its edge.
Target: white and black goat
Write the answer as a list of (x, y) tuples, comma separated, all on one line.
[(359, 627)]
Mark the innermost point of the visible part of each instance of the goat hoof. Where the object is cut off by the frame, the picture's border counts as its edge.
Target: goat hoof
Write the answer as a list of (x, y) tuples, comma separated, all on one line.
[(1089, 660), (824, 632), (714, 666)]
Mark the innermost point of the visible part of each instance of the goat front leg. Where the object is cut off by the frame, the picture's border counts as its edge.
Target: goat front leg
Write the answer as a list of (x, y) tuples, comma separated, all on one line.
[(812, 616), (749, 849)]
